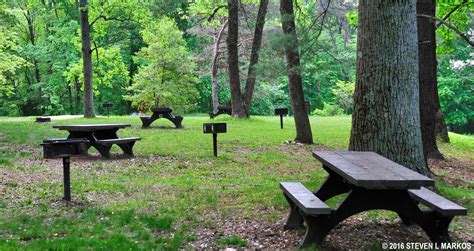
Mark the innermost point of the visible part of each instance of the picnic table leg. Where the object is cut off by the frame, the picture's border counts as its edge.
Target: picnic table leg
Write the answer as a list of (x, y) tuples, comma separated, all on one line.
[(176, 121), (146, 121), (359, 200), (334, 185), (127, 148), (104, 150), (295, 219), (67, 178)]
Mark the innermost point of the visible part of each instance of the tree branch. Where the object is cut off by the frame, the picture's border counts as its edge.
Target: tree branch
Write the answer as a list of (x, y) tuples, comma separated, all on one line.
[(450, 26), (105, 18), (451, 12), (213, 14)]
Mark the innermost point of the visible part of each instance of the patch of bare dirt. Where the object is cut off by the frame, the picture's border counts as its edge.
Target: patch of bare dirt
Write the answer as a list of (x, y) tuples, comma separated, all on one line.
[(355, 233), (454, 172)]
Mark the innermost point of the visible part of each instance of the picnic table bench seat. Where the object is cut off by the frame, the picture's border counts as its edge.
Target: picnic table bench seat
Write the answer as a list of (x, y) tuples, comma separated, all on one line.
[(117, 141), (302, 202), (436, 202), (126, 144), (304, 199)]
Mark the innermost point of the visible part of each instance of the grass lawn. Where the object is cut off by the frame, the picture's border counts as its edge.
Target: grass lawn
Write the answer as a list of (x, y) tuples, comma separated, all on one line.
[(173, 193)]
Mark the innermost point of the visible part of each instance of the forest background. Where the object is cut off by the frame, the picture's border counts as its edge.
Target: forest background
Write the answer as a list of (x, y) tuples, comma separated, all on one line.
[(148, 53)]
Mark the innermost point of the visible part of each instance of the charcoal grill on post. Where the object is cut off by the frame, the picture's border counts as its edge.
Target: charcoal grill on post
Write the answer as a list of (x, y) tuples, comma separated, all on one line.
[(282, 112), (43, 120), (64, 148), (214, 128), (108, 106)]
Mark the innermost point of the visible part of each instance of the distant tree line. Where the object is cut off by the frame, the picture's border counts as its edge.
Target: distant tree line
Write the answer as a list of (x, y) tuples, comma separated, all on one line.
[(175, 53)]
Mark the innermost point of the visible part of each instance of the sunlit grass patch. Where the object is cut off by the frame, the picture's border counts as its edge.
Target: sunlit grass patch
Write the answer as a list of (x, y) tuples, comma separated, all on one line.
[(171, 188)]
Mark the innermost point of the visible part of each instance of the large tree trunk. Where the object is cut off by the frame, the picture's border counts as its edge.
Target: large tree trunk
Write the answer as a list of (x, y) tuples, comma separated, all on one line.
[(303, 127), (214, 70), (32, 37), (386, 116), (428, 77), (441, 128), (233, 59), (87, 61), (256, 45)]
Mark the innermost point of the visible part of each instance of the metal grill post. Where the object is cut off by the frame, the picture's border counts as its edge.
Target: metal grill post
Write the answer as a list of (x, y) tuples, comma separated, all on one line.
[(67, 178), (214, 142)]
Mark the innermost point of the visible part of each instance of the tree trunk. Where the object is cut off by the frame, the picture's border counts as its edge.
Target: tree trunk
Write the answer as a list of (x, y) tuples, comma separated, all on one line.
[(71, 104), (427, 77), (256, 44), (303, 127), (87, 61), (215, 84), (233, 59), (32, 37), (386, 116), (78, 95), (441, 128)]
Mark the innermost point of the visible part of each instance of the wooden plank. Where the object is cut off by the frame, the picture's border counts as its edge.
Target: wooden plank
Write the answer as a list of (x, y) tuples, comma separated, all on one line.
[(370, 170), (390, 174), (305, 199), (437, 202), (344, 168), (398, 169), (91, 127), (161, 110), (117, 141)]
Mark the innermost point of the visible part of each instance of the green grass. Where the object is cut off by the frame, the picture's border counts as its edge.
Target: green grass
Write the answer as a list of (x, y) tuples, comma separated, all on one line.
[(233, 241), (172, 188)]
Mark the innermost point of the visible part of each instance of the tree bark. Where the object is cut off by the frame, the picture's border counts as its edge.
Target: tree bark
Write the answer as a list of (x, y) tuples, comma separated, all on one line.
[(441, 128), (32, 37), (215, 83), (256, 45), (303, 127), (87, 60), (78, 95), (386, 116), (427, 77), (233, 59)]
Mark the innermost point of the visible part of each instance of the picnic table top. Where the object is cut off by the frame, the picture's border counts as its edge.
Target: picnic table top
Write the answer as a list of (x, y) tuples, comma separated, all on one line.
[(161, 109), (372, 171), (91, 127)]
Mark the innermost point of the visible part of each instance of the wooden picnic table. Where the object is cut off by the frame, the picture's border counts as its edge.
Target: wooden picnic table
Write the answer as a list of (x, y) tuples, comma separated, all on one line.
[(371, 182), (101, 137), (221, 109), (161, 112)]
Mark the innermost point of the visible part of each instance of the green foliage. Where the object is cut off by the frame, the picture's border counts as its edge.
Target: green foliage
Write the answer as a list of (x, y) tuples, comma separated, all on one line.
[(344, 91), (166, 76), (233, 240), (461, 19), (457, 97), (329, 110), (10, 61)]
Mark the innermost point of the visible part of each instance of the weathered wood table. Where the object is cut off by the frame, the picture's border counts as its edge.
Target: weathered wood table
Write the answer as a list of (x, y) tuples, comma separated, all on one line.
[(222, 109), (101, 137), (371, 182), (161, 112)]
